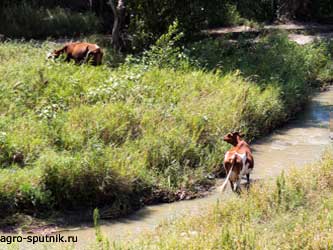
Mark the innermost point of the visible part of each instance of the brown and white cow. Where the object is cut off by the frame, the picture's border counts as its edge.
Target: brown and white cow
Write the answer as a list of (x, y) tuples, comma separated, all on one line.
[(80, 52), (238, 161)]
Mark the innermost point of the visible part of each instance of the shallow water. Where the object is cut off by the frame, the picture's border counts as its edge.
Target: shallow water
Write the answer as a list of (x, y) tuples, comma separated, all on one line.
[(301, 141)]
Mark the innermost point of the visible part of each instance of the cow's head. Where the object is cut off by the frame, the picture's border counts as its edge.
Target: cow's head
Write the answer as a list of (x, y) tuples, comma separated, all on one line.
[(233, 138), (54, 54)]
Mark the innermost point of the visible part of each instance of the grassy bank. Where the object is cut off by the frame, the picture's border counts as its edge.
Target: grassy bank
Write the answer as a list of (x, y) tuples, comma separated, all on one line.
[(292, 212), (77, 137)]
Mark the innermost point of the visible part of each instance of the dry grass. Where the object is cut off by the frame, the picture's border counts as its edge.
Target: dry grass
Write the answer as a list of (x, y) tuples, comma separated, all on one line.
[(293, 212)]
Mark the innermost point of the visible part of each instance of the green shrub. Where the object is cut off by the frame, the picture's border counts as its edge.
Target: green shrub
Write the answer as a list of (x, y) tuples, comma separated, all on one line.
[(261, 10), (148, 23), (21, 190), (166, 51), (223, 13), (272, 60), (322, 10), (85, 180)]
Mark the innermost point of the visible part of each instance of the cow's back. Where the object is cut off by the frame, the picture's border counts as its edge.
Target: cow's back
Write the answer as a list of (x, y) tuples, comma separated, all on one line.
[(77, 51), (243, 147)]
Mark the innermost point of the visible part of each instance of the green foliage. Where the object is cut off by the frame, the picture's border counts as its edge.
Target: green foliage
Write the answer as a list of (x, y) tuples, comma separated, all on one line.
[(151, 19), (272, 60), (98, 136), (113, 125), (260, 10), (28, 21), (24, 138), (22, 191), (166, 51), (84, 179), (145, 20), (322, 10)]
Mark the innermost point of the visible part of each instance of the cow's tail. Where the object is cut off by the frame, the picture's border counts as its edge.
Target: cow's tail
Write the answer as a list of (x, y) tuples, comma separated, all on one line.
[(222, 188)]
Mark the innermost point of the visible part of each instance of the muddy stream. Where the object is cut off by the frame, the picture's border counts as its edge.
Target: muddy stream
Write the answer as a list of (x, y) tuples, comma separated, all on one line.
[(301, 141)]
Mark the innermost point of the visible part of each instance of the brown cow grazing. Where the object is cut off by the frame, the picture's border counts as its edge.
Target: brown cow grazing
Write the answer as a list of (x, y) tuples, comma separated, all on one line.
[(80, 53), (238, 161)]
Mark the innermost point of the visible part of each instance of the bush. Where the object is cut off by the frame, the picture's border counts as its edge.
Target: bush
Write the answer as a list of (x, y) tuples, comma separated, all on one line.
[(321, 10), (81, 176), (274, 59), (150, 20), (166, 52), (261, 11), (22, 191)]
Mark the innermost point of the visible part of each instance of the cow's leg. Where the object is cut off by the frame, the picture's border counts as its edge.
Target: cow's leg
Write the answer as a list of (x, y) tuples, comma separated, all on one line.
[(68, 58), (248, 180), (87, 58), (99, 58), (237, 186), (232, 185)]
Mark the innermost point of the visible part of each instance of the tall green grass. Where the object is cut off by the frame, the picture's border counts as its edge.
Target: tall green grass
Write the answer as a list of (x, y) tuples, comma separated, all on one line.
[(271, 59), (81, 136)]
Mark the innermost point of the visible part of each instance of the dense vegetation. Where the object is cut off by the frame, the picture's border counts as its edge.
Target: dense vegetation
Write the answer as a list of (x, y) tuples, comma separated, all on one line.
[(81, 136), (145, 21), (152, 117), (28, 21), (293, 212)]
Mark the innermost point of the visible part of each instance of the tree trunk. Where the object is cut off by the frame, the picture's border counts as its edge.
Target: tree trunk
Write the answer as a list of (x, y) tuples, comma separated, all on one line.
[(286, 10), (304, 10), (90, 4), (118, 20), (291, 9)]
